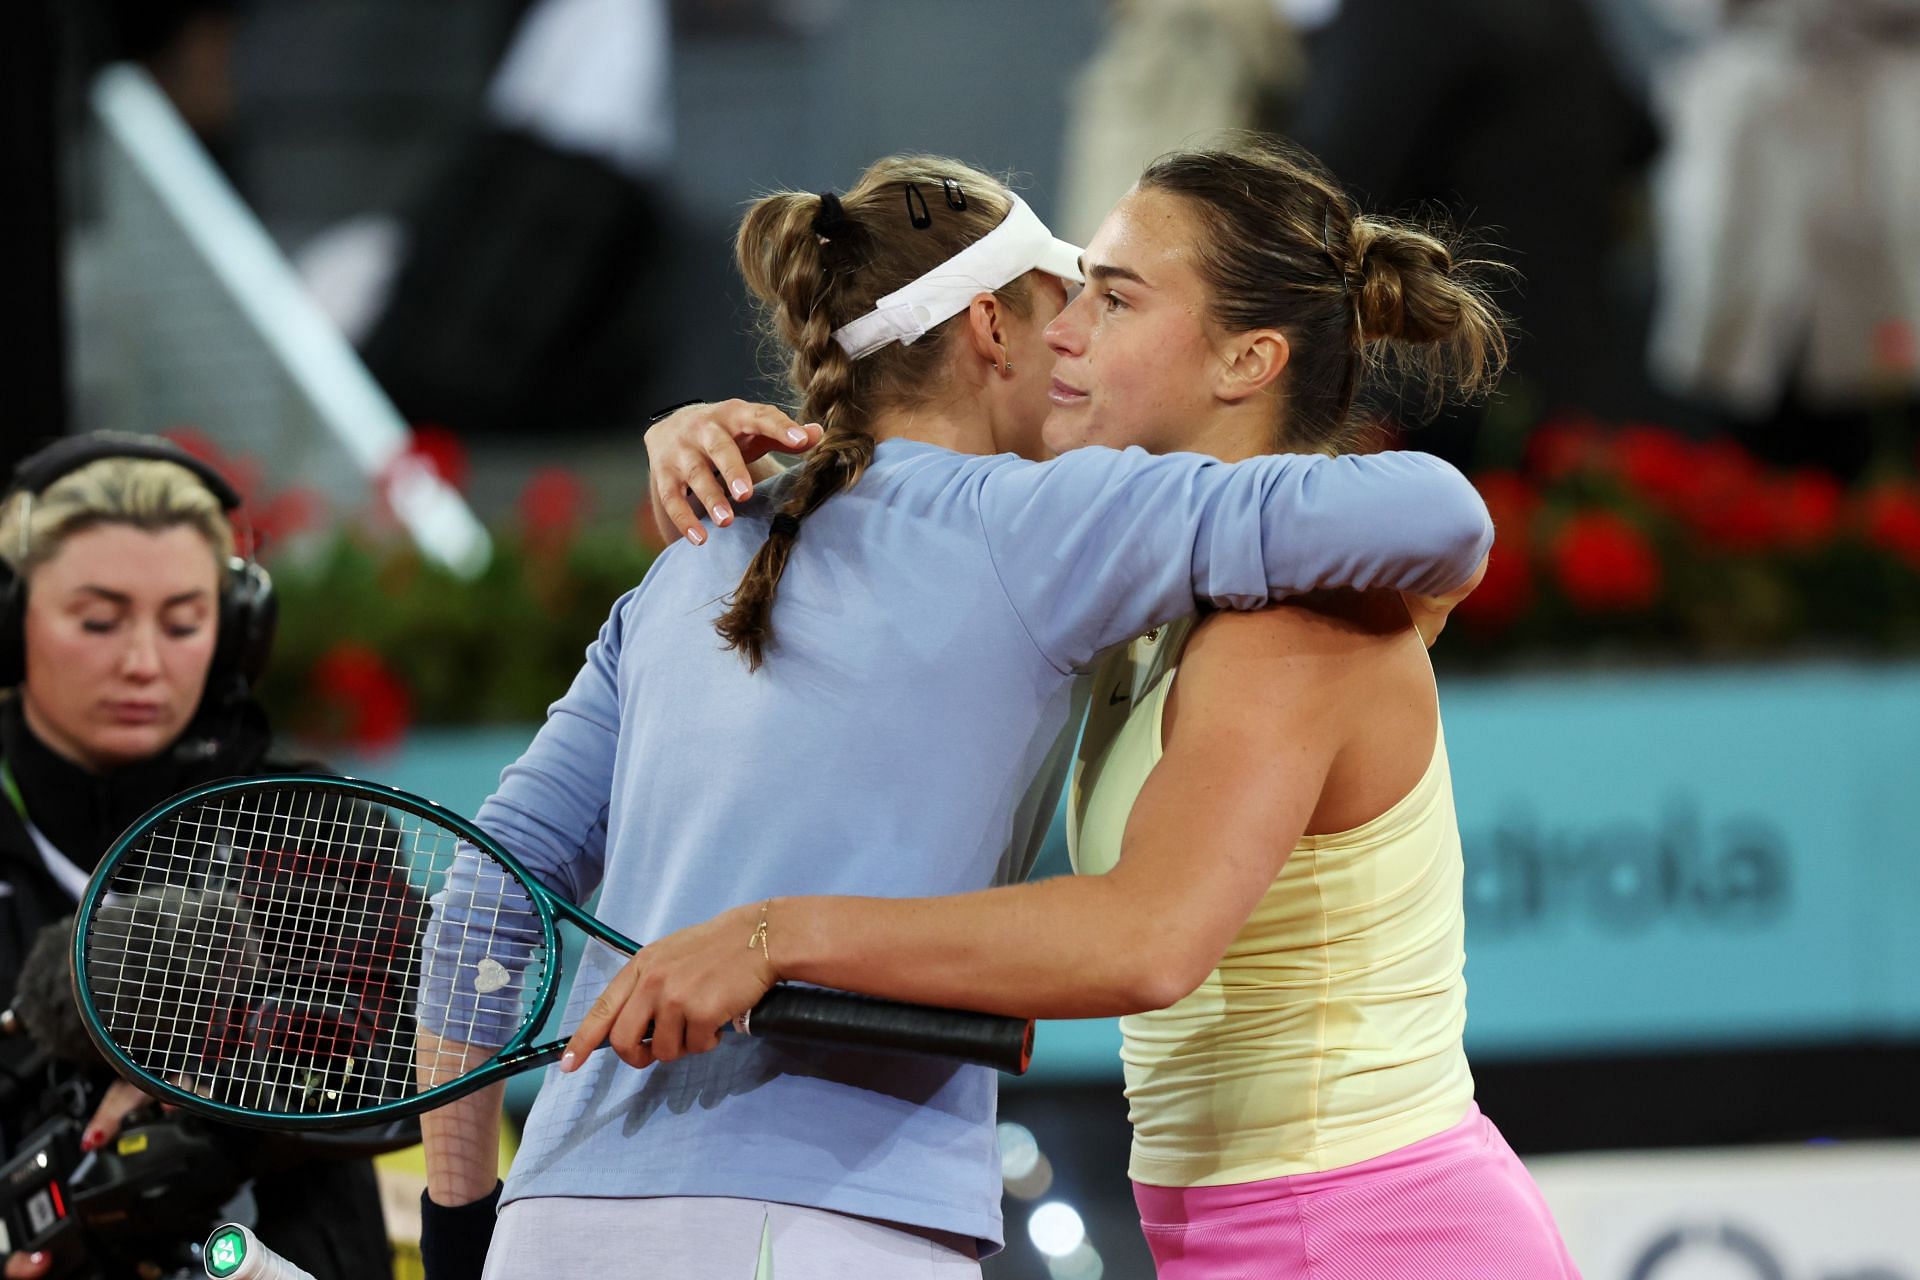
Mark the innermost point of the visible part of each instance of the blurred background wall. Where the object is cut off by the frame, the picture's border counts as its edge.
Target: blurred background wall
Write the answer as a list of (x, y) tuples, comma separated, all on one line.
[(417, 272), (356, 116)]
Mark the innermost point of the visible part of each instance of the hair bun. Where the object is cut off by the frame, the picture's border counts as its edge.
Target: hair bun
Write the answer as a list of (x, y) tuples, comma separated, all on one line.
[(1428, 306), (1402, 283)]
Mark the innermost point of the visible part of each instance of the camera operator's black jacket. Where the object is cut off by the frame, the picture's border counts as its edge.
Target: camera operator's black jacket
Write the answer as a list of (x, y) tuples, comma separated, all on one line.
[(323, 1213)]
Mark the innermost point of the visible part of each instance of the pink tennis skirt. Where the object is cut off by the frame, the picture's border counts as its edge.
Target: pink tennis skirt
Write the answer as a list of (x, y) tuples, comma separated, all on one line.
[(1456, 1206)]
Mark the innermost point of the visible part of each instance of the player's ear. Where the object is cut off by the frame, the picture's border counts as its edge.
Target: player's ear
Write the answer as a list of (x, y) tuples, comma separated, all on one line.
[(1250, 363)]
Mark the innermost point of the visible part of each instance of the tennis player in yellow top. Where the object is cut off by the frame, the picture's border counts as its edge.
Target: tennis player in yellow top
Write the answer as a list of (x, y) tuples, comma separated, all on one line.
[(1263, 820)]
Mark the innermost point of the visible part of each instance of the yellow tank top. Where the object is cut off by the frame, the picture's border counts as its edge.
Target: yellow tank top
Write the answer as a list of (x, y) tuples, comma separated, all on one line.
[(1331, 1031)]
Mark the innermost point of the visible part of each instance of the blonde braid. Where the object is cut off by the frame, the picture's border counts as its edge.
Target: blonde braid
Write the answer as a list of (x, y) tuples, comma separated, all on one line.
[(815, 262)]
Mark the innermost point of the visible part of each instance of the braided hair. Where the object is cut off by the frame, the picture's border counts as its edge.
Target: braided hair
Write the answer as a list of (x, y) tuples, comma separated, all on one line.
[(814, 263)]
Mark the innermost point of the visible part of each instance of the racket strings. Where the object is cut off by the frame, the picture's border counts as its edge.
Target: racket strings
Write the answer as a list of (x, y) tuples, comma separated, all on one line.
[(279, 950)]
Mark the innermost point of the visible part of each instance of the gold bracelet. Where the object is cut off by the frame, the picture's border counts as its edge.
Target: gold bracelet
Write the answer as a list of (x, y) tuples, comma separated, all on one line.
[(758, 938)]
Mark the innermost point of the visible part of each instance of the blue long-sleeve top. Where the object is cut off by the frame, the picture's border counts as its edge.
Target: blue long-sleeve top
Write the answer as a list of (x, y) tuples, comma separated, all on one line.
[(904, 738)]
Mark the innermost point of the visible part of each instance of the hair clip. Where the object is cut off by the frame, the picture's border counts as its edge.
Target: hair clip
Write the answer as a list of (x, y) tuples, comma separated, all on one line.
[(956, 198), (922, 218)]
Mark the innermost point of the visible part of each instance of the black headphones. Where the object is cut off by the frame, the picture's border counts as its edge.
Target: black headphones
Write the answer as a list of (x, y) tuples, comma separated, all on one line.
[(248, 610)]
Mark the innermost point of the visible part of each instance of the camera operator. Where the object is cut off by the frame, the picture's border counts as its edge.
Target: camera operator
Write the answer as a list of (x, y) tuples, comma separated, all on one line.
[(129, 638)]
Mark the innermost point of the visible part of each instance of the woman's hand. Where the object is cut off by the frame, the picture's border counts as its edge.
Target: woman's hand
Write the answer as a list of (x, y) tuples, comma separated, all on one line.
[(679, 993), (1430, 612), (120, 1101), (27, 1266), (708, 451)]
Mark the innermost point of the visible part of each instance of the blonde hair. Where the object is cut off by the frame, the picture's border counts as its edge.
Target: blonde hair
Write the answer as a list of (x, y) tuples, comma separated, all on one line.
[(815, 263), (143, 492)]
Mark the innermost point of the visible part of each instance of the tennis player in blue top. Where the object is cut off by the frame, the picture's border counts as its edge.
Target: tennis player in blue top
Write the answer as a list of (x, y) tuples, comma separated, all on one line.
[(891, 638)]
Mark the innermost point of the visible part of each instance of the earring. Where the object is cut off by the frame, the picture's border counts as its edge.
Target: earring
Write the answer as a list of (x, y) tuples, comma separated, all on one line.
[(1007, 367)]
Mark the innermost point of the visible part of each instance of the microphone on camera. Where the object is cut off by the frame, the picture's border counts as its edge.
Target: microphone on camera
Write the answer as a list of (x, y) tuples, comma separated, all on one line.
[(43, 1008), (148, 981)]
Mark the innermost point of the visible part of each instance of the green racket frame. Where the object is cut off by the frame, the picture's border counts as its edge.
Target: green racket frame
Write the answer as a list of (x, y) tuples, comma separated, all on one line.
[(1004, 1047)]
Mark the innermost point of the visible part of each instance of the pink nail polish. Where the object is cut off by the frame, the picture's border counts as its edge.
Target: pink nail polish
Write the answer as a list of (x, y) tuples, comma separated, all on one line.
[(740, 488), (696, 535), (797, 436), (723, 514), (569, 1060)]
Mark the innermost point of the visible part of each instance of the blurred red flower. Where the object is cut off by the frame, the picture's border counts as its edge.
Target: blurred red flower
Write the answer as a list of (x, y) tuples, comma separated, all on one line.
[(1510, 500), (290, 511), (1727, 500), (1807, 509), (262, 519), (1736, 519), (1657, 463), (1604, 564), (442, 450), (1890, 518), (1557, 449), (365, 703), (1504, 594), (241, 472), (195, 442), (552, 506)]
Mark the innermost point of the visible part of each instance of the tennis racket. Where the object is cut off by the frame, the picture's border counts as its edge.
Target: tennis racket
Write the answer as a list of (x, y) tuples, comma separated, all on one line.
[(233, 1252), (302, 952)]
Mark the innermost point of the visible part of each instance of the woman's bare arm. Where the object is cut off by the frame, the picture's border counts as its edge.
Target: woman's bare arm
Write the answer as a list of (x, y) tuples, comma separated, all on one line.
[(1253, 731), (462, 1139), (1260, 717)]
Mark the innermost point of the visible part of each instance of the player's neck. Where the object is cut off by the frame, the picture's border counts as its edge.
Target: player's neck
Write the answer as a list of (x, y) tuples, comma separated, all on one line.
[(1235, 432), (961, 427)]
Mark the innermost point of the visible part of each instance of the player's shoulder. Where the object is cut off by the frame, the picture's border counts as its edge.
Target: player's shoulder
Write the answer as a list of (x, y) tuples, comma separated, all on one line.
[(1308, 645), (1331, 624), (1305, 665)]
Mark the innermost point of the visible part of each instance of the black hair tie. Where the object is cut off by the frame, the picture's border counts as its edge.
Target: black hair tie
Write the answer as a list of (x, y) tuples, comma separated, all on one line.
[(832, 217), (785, 524)]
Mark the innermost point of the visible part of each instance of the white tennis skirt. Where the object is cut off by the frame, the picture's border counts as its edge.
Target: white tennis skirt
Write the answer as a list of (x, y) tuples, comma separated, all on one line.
[(544, 1237)]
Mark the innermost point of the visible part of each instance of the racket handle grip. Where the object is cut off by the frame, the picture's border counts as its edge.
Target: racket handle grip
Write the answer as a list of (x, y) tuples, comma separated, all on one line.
[(235, 1253), (843, 1018)]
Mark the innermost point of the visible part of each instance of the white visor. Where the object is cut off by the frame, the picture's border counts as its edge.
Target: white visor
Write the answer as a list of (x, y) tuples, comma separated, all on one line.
[(1021, 243)]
